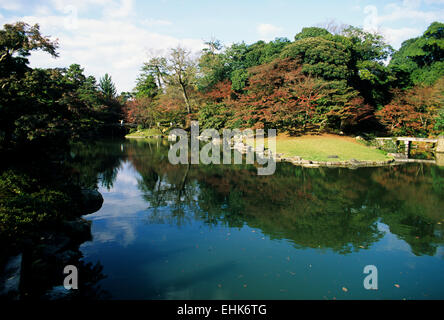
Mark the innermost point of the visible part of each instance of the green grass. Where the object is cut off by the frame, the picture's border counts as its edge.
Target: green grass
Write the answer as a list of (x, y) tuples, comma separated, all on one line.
[(319, 148), (144, 133)]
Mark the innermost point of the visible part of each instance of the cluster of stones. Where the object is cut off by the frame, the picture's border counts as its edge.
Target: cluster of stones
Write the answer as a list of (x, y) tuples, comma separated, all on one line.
[(343, 164), (242, 148), (397, 157), (149, 137), (146, 137)]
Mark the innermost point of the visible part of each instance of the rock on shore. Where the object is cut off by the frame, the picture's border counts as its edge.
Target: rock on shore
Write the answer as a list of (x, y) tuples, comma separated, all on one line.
[(92, 201)]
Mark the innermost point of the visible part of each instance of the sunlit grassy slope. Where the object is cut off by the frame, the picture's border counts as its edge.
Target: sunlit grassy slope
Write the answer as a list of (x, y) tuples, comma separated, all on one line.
[(144, 133), (323, 147)]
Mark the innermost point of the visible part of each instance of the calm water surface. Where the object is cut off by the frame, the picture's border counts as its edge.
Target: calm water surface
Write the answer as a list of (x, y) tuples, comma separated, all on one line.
[(222, 232)]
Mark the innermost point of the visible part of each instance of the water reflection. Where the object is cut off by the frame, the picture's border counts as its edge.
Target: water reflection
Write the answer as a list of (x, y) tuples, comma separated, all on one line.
[(337, 209), (41, 232), (223, 232)]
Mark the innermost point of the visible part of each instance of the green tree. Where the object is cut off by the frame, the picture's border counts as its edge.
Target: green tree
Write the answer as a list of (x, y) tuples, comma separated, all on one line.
[(157, 67), (107, 87), (146, 86), (321, 57), (212, 66), (27, 97), (311, 32), (420, 60), (85, 87), (89, 92), (17, 41), (74, 76), (182, 71)]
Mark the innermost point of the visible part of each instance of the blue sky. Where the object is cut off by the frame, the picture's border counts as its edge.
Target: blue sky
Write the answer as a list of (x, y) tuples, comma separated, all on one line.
[(118, 36)]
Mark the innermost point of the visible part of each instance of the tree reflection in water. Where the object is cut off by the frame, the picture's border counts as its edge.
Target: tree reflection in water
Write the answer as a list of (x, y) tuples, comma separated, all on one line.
[(326, 208)]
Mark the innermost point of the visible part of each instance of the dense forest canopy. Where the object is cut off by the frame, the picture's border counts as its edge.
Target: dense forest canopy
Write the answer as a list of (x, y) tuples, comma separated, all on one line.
[(345, 79)]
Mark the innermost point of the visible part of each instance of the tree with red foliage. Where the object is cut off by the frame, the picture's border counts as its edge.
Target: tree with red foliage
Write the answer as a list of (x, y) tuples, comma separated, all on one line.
[(220, 92), (141, 111), (413, 112), (279, 95), (352, 113)]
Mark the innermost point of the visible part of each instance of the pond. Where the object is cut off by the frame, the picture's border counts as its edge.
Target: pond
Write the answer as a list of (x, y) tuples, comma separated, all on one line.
[(223, 232)]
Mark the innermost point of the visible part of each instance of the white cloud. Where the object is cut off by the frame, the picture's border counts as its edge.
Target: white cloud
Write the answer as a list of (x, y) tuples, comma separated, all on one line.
[(122, 9), (411, 3), (387, 22), (42, 11), (409, 11), (397, 36), (81, 5), (156, 22), (117, 46), (10, 5), (268, 31), (434, 1)]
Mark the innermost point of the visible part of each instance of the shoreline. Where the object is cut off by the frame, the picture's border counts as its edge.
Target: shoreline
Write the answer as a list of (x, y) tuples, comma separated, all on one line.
[(299, 161)]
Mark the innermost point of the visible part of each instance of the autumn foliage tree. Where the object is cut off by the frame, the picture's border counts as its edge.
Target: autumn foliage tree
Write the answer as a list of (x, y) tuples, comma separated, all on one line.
[(415, 111), (141, 111), (214, 112), (324, 80), (282, 96)]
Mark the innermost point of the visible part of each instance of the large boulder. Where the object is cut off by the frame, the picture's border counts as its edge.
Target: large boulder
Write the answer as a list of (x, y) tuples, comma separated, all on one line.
[(77, 228), (91, 201)]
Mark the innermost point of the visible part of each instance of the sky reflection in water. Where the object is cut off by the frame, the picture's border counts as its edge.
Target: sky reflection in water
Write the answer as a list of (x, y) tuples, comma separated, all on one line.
[(220, 232)]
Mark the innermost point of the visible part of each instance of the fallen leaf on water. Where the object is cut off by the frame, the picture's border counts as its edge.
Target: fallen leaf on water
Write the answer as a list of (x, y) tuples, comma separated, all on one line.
[(344, 289), (292, 273), (245, 285), (396, 285)]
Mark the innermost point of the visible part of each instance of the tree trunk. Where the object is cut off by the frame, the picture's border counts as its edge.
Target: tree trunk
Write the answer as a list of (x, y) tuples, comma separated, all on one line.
[(185, 97)]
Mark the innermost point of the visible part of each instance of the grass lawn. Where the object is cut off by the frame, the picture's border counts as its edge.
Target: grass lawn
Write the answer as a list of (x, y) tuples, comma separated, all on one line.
[(144, 133), (319, 148)]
